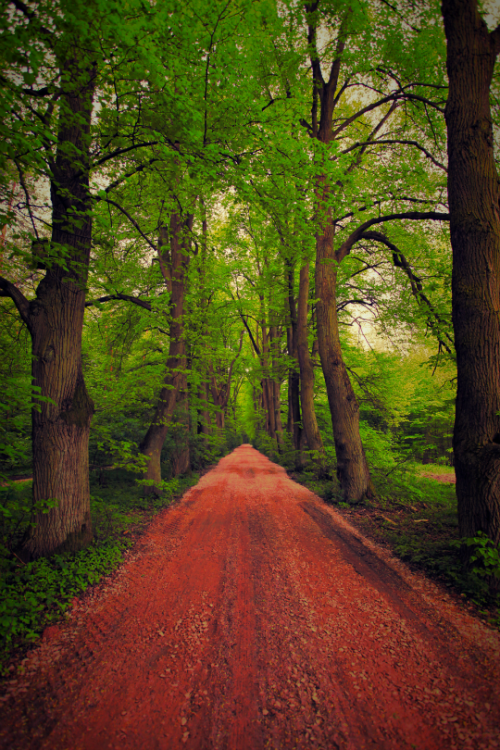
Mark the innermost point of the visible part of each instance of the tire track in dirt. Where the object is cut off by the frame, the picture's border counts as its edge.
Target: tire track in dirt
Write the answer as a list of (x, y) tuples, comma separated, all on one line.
[(251, 616)]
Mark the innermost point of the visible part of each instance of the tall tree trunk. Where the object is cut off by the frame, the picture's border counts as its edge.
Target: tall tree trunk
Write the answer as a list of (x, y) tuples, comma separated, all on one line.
[(178, 261), (352, 468), (293, 421), (274, 383), (473, 191), (181, 461), (60, 427), (309, 421), (277, 413), (204, 420)]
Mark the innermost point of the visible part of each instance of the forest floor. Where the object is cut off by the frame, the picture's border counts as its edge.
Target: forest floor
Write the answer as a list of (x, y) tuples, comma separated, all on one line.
[(251, 615)]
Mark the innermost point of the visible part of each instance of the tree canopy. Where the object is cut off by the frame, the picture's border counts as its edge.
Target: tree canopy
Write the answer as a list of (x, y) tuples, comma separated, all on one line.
[(229, 221)]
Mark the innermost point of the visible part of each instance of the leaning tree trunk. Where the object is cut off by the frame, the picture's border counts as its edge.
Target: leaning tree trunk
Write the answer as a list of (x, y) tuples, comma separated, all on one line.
[(352, 468), (309, 421), (473, 191), (154, 439), (61, 421)]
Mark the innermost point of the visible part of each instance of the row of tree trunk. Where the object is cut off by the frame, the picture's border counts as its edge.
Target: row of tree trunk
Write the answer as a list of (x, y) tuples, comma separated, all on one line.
[(54, 317)]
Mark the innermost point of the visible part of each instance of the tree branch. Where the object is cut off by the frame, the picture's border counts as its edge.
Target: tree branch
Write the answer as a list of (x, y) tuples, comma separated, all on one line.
[(255, 346), (120, 151), (374, 132), (346, 246), (8, 289), (417, 288), (125, 177), (402, 142), (132, 221), (118, 296), (30, 15), (368, 108)]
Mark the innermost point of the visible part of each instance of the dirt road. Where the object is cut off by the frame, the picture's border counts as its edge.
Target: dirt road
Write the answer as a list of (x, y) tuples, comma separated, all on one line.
[(252, 616)]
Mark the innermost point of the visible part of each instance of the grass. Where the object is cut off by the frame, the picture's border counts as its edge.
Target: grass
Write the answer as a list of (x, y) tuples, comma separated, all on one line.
[(37, 594)]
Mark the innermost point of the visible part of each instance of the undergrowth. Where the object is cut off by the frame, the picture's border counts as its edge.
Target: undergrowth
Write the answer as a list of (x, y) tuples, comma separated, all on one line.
[(37, 594), (416, 517)]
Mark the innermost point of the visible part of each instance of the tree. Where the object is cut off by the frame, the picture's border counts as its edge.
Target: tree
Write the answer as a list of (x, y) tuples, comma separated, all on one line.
[(55, 317), (56, 61), (474, 198)]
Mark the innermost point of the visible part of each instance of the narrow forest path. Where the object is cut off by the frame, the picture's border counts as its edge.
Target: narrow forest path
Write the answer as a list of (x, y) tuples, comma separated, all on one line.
[(251, 616)]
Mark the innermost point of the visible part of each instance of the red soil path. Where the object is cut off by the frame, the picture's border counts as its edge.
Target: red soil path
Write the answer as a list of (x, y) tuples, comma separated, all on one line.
[(253, 616)]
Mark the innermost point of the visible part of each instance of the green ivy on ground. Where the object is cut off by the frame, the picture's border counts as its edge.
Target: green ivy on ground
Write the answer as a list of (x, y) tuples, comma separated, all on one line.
[(37, 594)]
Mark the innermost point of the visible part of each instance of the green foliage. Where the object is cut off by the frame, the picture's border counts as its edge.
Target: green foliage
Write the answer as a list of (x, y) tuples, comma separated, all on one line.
[(486, 554), (206, 109), (38, 593), (17, 512)]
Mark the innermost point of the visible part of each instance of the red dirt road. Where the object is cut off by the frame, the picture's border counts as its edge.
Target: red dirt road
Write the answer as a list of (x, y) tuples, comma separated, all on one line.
[(253, 616)]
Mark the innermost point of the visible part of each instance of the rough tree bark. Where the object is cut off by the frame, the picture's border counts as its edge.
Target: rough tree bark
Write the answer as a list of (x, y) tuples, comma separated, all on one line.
[(174, 260), (181, 459), (473, 192), (309, 421), (204, 419), (274, 383), (294, 419), (60, 427), (352, 468), (220, 386)]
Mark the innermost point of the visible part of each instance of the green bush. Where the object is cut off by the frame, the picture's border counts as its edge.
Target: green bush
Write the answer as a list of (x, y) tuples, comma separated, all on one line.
[(36, 594)]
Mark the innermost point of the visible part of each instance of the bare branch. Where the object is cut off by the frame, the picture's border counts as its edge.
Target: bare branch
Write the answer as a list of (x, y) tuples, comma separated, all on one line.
[(126, 176), (27, 196), (8, 289), (399, 260), (118, 296), (368, 108), (346, 246), (389, 141), (132, 221), (120, 151)]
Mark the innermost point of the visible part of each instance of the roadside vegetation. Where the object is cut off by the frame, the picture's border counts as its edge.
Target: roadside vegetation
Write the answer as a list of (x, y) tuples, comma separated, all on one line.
[(37, 594), (242, 230)]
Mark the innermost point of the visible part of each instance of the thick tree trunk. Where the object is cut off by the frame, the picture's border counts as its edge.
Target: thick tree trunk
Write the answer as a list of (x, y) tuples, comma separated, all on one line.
[(60, 428), (181, 461), (178, 261), (473, 191), (352, 468), (309, 421)]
